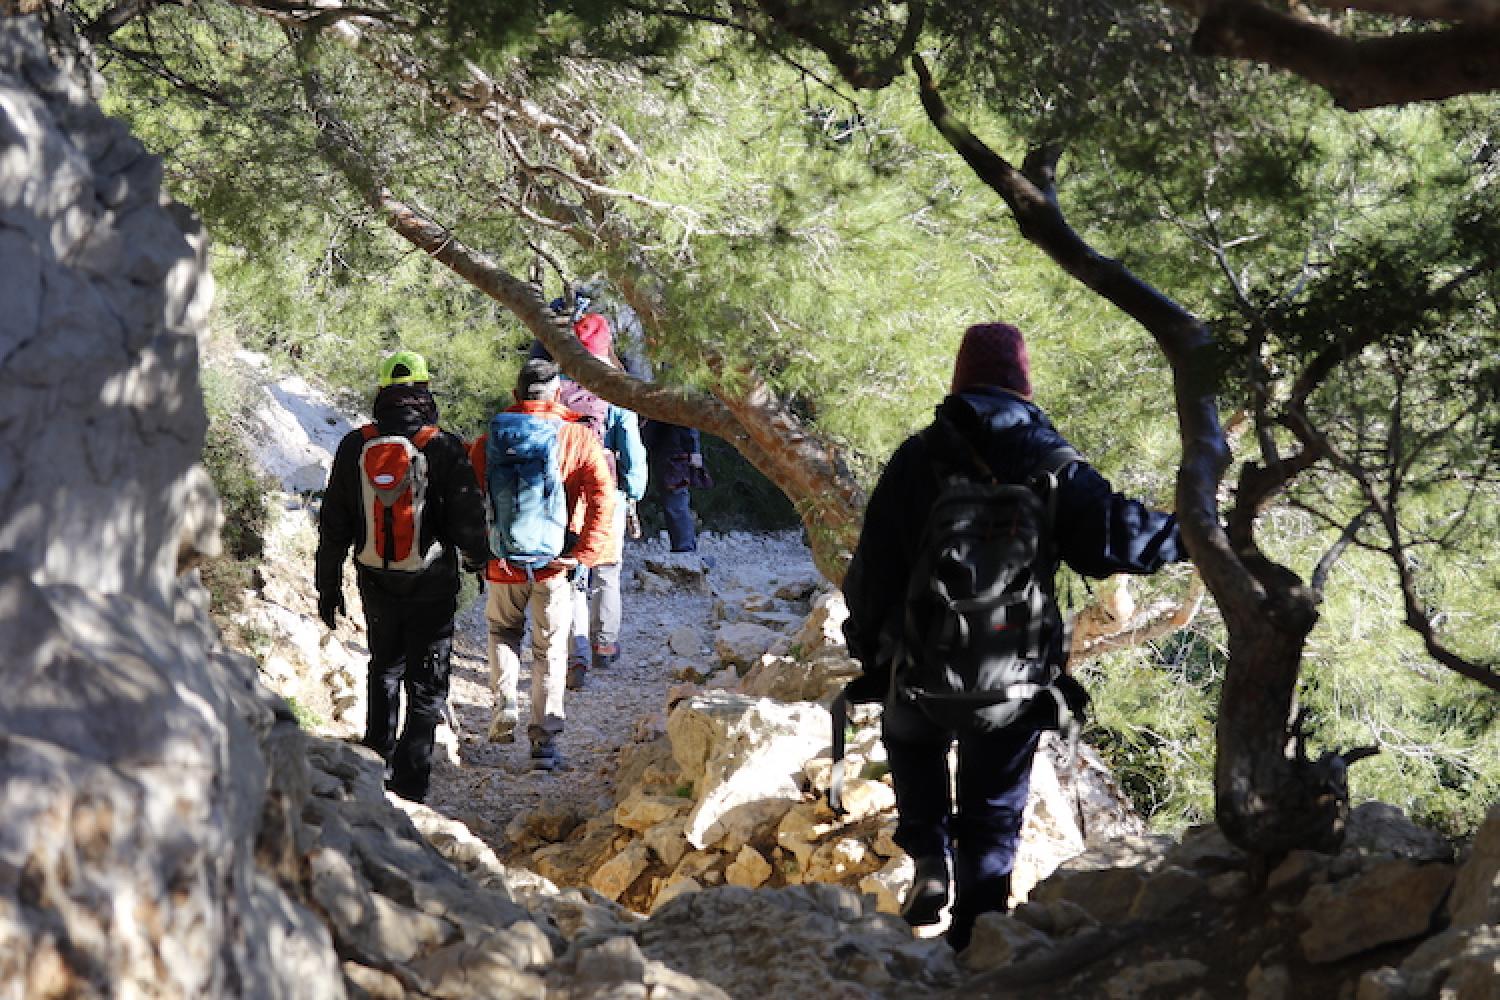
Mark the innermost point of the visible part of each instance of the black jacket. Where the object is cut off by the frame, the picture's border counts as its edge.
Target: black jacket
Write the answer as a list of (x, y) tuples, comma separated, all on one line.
[(454, 514), (664, 440), (1098, 531)]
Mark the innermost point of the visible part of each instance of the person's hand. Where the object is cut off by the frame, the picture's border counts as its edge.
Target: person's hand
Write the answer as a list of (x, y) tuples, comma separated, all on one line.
[(695, 460), (565, 562), (330, 606)]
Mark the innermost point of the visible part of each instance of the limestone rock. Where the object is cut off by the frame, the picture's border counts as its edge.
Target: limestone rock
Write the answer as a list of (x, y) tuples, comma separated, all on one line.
[(1476, 892), (740, 644), (750, 869), (802, 828), (667, 842), (1380, 828), (684, 641), (864, 798), (132, 773), (1105, 880), (1170, 976), (1168, 891), (1205, 848), (840, 860), (640, 811), (613, 877), (1394, 901), (1050, 833), (799, 590), (889, 883), (681, 569), (675, 886), (736, 751), (1269, 982), (1057, 918), (816, 941), (1000, 939)]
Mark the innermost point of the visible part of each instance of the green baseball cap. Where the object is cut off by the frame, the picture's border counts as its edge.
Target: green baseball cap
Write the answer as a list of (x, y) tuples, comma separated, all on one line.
[(403, 368)]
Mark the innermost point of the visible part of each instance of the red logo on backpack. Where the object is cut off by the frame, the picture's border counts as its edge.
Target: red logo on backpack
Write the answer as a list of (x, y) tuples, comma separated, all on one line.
[(393, 490)]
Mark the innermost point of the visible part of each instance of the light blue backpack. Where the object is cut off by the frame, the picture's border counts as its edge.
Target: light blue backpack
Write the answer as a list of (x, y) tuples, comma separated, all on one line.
[(528, 509)]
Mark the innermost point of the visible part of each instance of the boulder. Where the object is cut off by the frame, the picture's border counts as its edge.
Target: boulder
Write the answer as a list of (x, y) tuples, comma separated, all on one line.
[(889, 883), (1476, 890), (667, 842), (640, 811), (680, 569), (737, 751), (1393, 901), (1104, 880), (1000, 939), (1380, 828), (684, 641), (741, 644)]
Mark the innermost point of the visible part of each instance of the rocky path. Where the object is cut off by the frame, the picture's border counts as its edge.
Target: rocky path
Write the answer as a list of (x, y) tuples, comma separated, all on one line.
[(494, 783)]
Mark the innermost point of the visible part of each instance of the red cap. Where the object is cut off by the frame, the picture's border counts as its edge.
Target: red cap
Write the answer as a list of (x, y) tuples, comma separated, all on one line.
[(593, 333)]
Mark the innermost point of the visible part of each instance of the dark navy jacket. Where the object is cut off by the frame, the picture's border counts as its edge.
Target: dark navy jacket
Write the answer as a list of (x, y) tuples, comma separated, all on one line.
[(1098, 531)]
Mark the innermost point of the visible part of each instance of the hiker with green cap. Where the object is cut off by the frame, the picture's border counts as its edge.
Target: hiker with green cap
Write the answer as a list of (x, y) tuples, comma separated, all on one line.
[(402, 495)]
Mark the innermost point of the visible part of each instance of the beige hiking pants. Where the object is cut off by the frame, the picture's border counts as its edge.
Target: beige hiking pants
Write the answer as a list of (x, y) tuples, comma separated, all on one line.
[(550, 602)]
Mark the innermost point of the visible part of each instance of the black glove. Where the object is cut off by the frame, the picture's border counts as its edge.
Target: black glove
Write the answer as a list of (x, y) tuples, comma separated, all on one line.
[(330, 606)]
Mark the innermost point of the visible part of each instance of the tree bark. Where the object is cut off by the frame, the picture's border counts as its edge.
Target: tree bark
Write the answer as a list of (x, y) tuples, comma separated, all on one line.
[(1359, 73)]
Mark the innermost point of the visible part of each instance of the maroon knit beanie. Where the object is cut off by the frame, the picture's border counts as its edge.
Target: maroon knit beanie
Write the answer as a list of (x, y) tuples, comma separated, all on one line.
[(993, 354)]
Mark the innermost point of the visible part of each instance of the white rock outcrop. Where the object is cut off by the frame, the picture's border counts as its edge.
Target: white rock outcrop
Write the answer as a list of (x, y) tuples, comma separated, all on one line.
[(131, 767)]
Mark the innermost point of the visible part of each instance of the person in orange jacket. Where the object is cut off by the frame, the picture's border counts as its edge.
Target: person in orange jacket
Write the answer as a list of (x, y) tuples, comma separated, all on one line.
[(545, 591)]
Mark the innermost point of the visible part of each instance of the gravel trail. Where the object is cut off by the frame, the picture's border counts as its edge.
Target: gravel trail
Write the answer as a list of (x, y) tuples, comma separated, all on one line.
[(494, 782)]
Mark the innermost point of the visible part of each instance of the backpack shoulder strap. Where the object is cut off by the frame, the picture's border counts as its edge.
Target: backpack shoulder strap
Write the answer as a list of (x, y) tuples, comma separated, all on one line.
[(370, 432), (952, 453), (424, 436), (1058, 459)]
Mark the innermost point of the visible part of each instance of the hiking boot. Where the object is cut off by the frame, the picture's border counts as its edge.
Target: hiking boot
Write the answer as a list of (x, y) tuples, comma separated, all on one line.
[(503, 726), (605, 655), (577, 671), (928, 895), (545, 756)]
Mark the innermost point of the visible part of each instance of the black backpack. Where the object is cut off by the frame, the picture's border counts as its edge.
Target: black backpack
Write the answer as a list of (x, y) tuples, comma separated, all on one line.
[(983, 634), (983, 643)]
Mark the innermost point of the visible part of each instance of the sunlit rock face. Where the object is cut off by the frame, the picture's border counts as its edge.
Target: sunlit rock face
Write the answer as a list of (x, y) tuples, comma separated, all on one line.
[(131, 765)]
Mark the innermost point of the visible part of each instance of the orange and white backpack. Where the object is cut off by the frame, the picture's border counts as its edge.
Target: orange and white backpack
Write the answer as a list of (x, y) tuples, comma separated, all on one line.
[(393, 491)]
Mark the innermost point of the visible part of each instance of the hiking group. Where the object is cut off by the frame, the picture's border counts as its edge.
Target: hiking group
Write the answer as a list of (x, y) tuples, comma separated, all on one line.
[(538, 507), (956, 626)]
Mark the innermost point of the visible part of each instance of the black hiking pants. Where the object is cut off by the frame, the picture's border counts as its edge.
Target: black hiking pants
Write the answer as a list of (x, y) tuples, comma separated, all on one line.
[(982, 829), (411, 647)]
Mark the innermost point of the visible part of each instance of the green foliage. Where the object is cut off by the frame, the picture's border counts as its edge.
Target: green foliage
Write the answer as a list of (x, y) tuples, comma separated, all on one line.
[(306, 718), (242, 492), (1153, 712)]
